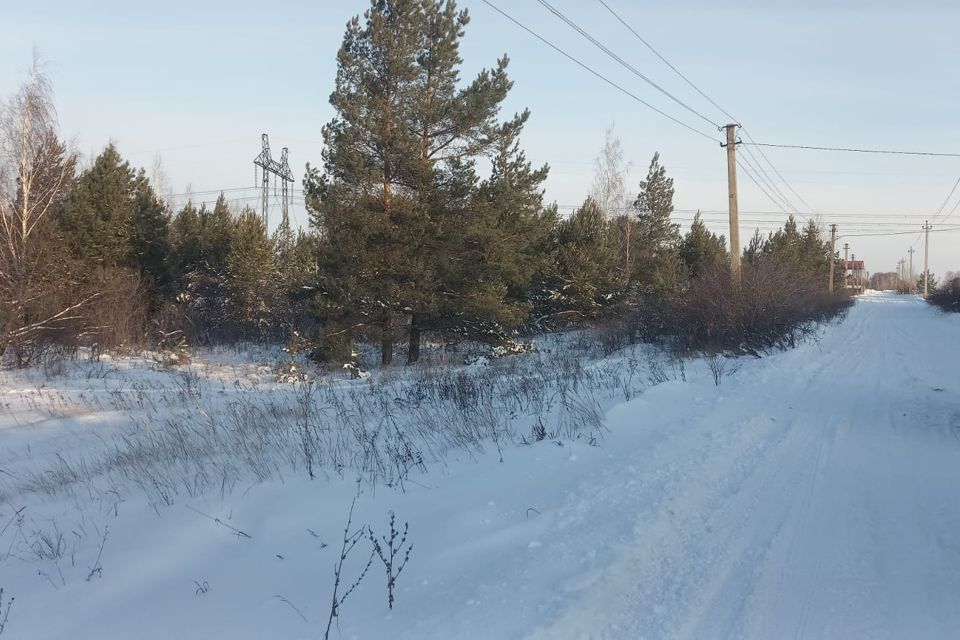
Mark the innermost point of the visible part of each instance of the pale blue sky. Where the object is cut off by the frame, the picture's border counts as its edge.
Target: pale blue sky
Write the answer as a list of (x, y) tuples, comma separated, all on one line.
[(197, 82)]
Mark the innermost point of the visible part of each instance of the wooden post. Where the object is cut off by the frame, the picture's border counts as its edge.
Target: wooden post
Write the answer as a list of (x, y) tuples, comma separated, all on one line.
[(732, 193), (910, 282), (846, 248), (926, 255), (833, 253)]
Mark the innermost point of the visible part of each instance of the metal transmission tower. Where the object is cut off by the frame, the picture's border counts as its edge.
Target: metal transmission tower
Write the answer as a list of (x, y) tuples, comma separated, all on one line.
[(280, 170)]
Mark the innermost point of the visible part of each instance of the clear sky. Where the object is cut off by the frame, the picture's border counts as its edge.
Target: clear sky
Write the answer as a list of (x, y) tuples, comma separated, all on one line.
[(196, 82)]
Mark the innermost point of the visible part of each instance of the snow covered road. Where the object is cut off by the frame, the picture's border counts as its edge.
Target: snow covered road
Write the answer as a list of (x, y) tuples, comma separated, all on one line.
[(812, 494), (815, 498)]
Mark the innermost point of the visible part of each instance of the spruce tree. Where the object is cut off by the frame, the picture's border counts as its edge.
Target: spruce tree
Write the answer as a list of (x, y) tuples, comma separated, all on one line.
[(113, 218), (98, 216)]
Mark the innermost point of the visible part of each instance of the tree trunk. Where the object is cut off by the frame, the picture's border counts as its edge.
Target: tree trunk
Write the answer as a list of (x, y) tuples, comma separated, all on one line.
[(386, 340), (413, 352)]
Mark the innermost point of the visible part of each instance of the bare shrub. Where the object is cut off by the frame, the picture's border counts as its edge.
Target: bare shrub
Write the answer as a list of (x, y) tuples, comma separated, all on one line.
[(5, 607), (773, 308), (947, 296), (719, 366), (118, 321), (394, 548), (349, 542)]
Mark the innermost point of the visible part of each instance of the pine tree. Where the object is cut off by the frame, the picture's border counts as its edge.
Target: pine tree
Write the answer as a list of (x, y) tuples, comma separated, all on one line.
[(522, 251), (399, 168), (701, 250), (98, 215), (150, 237), (754, 249), (113, 218), (215, 233), (656, 268), (251, 276), (296, 270), (496, 256), (932, 283), (587, 279), (187, 251), (201, 240), (654, 205)]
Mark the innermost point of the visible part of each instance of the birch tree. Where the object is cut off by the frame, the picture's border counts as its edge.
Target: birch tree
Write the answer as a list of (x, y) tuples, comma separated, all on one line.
[(35, 172), (609, 193)]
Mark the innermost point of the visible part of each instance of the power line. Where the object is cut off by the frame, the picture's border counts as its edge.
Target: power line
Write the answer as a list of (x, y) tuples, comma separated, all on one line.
[(947, 200), (597, 73), (623, 62), (899, 233), (777, 171), (665, 61), (862, 216), (759, 186), (762, 173), (857, 217), (853, 150), (711, 101), (956, 204)]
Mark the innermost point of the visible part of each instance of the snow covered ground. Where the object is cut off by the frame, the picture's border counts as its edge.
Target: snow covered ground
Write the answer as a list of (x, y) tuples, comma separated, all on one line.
[(811, 494)]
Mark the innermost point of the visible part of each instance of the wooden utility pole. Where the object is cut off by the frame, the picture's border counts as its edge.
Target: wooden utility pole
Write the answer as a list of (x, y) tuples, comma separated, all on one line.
[(926, 255), (856, 273), (732, 192), (846, 248), (833, 253), (910, 282)]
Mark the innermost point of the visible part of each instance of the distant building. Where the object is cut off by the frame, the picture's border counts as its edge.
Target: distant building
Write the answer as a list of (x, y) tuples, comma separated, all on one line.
[(855, 275)]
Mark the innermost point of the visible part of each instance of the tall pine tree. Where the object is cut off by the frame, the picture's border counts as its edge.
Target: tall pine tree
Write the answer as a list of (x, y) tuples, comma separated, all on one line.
[(656, 264), (392, 201)]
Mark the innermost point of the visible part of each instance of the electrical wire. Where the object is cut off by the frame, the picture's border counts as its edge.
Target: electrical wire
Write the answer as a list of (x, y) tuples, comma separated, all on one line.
[(623, 62), (947, 200), (598, 74), (952, 211), (759, 186), (854, 150), (776, 171), (707, 98), (665, 61), (754, 164), (897, 233)]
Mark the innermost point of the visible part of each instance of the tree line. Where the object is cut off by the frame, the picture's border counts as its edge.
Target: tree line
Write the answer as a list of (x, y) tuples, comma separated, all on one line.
[(426, 220)]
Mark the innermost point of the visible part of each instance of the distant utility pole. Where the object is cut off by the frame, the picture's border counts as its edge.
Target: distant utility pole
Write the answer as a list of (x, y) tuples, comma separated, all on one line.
[(846, 247), (731, 146), (901, 274), (856, 273), (910, 282), (926, 255), (833, 253)]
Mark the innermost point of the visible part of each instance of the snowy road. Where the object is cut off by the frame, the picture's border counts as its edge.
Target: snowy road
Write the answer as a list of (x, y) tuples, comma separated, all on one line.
[(816, 498), (813, 494)]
